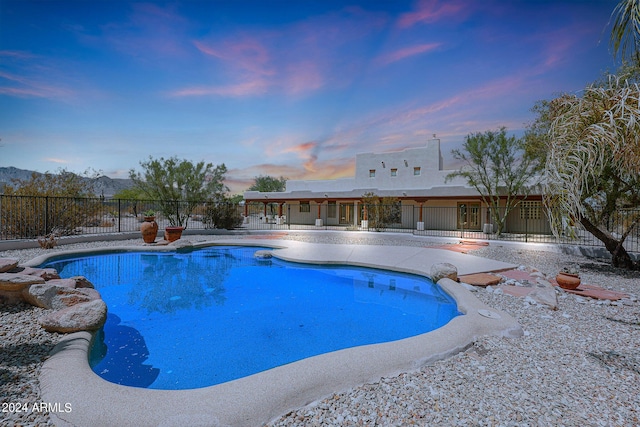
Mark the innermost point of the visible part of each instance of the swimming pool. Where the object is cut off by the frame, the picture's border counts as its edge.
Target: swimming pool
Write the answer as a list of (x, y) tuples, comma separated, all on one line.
[(204, 317)]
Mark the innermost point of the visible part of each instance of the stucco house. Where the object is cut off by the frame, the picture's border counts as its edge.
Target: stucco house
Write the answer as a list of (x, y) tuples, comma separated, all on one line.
[(414, 176)]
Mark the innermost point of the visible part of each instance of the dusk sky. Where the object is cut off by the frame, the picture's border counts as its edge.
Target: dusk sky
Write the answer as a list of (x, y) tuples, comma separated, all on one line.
[(281, 88)]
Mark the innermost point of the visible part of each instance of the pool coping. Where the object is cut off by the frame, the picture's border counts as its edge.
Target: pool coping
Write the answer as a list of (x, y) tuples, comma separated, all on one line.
[(66, 377)]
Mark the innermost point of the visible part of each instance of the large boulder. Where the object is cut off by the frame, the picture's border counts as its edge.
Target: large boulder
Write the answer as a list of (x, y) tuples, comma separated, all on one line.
[(443, 269), (57, 297), (7, 264), (63, 283), (17, 282), (88, 316), (45, 273)]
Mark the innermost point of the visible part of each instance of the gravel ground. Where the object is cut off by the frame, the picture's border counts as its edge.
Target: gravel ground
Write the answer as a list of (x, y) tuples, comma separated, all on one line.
[(577, 366)]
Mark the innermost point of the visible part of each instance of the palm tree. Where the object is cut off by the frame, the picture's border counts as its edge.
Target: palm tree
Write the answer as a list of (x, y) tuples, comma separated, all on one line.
[(625, 33), (593, 165)]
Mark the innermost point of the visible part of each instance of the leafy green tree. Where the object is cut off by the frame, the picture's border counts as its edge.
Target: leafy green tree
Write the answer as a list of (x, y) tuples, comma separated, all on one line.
[(179, 185), (499, 168), (268, 184), (48, 203), (625, 32), (536, 135), (133, 196), (236, 198), (592, 172)]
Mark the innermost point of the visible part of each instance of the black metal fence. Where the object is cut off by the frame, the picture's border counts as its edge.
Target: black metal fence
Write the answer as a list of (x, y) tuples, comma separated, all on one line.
[(27, 217)]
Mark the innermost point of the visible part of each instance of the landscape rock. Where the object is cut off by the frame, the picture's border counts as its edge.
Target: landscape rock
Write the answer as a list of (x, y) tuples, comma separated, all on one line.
[(58, 297), (7, 264), (544, 293), (45, 273), (88, 316), (443, 269), (82, 282), (17, 282), (64, 283)]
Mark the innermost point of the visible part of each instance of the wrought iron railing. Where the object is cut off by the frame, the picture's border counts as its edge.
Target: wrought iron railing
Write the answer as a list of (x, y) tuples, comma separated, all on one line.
[(29, 217)]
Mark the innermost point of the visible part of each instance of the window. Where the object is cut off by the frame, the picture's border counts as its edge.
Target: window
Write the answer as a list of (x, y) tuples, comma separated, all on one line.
[(416, 171), (305, 207), (372, 173), (331, 209), (394, 172), (530, 210)]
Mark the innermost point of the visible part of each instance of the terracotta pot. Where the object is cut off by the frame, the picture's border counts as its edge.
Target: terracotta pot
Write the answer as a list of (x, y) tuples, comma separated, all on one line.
[(171, 234), (149, 229), (568, 280)]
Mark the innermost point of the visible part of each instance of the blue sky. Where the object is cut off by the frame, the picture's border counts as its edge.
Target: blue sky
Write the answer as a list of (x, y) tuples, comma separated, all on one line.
[(282, 88)]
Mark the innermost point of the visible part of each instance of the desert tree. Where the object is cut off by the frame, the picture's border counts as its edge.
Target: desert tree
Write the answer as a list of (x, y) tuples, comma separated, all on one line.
[(380, 211), (48, 204), (500, 170), (179, 185), (625, 31), (592, 170), (268, 184)]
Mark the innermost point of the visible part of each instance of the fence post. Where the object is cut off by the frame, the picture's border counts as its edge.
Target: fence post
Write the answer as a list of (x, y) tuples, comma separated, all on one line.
[(526, 228), (119, 216), (46, 214)]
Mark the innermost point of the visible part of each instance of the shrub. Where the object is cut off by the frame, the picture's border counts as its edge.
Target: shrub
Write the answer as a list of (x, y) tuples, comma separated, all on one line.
[(221, 214)]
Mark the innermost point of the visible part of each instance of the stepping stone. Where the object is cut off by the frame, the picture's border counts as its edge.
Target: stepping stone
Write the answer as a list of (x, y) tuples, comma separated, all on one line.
[(518, 275), (480, 279), (596, 292)]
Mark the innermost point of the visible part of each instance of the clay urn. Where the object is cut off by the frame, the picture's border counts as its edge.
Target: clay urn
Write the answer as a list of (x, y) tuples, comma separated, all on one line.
[(568, 280), (149, 229)]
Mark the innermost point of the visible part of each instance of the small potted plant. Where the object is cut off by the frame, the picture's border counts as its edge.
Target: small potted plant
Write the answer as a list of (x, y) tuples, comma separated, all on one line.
[(149, 228), (568, 277), (149, 215)]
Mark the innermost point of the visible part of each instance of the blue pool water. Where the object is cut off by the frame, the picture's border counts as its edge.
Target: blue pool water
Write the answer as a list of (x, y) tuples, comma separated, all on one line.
[(200, 318)]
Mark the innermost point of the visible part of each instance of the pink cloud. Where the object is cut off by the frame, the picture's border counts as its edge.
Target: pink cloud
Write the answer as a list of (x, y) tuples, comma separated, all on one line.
[(301, 148), (32, 87), (235, 90), (429, 11), (304, 77), (248, 54), (295, 60), (240, 179), (407, 52)]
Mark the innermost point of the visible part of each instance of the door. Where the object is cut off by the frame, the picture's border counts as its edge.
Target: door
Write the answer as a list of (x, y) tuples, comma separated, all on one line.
[(346, 214), (469, 216)]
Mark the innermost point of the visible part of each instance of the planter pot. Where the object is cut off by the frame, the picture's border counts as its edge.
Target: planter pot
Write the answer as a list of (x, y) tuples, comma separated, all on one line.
[(171, 234), (568, 280), (149, 229)]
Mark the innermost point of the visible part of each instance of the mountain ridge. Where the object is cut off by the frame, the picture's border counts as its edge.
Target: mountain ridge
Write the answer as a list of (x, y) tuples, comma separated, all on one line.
[(102, 185)]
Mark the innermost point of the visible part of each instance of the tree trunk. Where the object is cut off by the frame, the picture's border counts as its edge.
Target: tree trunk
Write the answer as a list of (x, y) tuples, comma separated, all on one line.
[(619, 255)]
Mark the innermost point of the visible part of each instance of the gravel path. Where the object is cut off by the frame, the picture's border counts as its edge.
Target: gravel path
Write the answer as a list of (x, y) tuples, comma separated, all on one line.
[(577, 366)]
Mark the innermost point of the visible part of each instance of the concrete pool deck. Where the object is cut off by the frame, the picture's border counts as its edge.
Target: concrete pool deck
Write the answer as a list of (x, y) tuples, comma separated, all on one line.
[(66, 377)]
